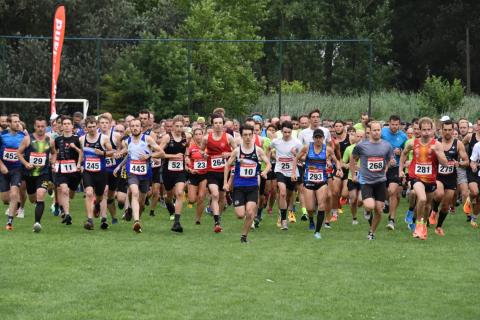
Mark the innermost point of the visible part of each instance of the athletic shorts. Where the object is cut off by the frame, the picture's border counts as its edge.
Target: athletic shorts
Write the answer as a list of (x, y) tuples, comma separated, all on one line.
[(242, 195), (196, 179), (36, 182), (314, 186), (281, 178), (392, 176), (353, 185), (449, 181), (215, 178), (157, 175), (143, 184), (170, 179), (122, 185), (377, 191), (112, 181), (70, 179), (472, 176), (96, 180), (429, 187), (12, 179), (461, 175), (345, 174)]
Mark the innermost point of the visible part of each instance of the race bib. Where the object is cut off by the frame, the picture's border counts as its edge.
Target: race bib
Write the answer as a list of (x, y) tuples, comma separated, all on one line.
[(448, 169), (315, 175), (175, 165), (10, 155), (217, 163), (248, 169), (375, 164), (38, 159), (138, 167), (110, 162), (92, 164), (286, 165), (67, 166), (423, 169), (199, 165)]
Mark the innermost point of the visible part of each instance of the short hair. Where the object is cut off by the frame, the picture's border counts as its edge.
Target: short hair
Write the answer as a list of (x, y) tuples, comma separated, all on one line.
[(272, 126), (246, 127), (63, 118), (287, 124), (90, 119), (447, 123), (295, 118), (425, 120), (314, 111), (302, 116), (219, 110), (178, 118), (104, 116), (394, 117), (196, 129), (9, 118), (249, 119), (40, 118), (144, 111), (338, 121), (374, 122), (216, 116)]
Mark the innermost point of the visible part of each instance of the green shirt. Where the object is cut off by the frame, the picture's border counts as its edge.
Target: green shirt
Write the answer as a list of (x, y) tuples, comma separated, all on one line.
[(266, 143), (359, 126), (346, 158)]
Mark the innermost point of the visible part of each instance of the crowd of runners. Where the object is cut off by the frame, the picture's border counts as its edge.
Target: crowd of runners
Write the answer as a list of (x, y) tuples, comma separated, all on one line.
[(308, 167)]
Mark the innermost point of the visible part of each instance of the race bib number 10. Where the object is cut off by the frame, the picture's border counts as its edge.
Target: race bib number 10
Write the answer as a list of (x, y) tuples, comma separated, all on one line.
[(248, 170)]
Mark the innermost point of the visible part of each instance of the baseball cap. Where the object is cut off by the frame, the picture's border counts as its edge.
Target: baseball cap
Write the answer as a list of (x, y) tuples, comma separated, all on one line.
[(257, 118), (318, 133), (200, 119), (444, 118), (54, 116)]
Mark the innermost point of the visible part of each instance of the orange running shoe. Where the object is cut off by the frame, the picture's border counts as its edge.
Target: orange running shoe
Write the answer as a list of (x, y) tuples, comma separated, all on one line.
[(439, 231), (424, 232), (9, 227), (467, 207), (418, 230), (217, 229), (433, 218)]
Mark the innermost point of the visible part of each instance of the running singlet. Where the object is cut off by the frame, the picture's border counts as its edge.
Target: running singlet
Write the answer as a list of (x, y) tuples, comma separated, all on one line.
[(197, 161), (316, 165), (110, 162), (216, 162), (247, 167), (93, 162), (174, 147), (449, 171), (136, 166), (424, 163), (9, 146), (38, 154), (66, 157)]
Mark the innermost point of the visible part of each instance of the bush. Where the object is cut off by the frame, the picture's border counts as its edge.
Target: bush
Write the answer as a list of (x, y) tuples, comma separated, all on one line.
[(293, 87), (439, 97)]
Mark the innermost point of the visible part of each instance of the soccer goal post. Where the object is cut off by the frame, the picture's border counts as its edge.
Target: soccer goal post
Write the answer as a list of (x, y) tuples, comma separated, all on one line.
[(84, 102)]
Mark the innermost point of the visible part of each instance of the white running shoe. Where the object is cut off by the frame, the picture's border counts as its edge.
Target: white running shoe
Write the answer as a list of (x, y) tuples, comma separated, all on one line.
[(354, 222), (20, 213)]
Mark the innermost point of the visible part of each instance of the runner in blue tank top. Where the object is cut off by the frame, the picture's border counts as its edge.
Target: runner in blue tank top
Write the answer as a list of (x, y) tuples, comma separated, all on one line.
[(318, 157), (11, 167), (246, 158), (138, 151)]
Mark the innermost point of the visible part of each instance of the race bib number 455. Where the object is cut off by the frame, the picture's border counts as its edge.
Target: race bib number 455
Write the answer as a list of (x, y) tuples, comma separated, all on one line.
[(375, 164)]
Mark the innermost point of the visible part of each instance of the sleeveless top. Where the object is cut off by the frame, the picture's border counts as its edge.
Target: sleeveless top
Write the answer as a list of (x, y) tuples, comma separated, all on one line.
[(247, 168), (216, 162), (316, 165), (175, 147), (135, 166), (197, 161), (93, 162), (38, 154), (424, 163)]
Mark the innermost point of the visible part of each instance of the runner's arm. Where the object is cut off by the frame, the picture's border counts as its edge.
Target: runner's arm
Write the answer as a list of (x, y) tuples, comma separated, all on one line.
[(463, 155), (299, 155), (228, 164), (21, 150), (403, 157), (442, 159)]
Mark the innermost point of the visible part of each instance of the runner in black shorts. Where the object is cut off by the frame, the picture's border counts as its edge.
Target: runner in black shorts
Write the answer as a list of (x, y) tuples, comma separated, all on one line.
[(374, 155), (67, 157), (34, 153), (96, 147), (173, 146)]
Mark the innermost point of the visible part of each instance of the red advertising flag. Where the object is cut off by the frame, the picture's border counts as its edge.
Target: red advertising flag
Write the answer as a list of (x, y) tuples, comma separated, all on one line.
[(58, 34)]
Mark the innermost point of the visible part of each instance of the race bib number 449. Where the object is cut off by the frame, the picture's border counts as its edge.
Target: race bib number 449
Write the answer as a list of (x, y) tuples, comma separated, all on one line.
[(375, 164)]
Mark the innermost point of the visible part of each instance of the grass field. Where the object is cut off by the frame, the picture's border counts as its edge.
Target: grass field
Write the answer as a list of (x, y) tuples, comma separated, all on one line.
[(70, 273)]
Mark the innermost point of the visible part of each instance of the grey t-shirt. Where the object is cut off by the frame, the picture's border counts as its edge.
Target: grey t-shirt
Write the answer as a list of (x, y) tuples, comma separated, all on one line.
[(373, 160)]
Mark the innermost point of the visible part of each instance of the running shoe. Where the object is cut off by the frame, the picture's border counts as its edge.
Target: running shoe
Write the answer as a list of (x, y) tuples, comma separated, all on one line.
[(343, 201), (467, 207), (311, 225), (474, 223), (177, 227), (340, 211), (6, 212), (208, 210), (284, 225), (67, 220), (439, 231), (88, 225), (256, 222), (327, 225), (386, 207), (20, 213), (424, 231), (198, 223), (217, 229), (37, 227), (391, 225), (96, 210), (366, 215), (354, 222), (172, 217), (243, 239), (417, 232), (317, 235), (152, 213), (228, 197), (189, 206), (137, 227), (370, 236), (433, 218), (114, 220), (55, 210), (162, 203), (9, 227), (252, 226), (291, 217), (411, 226), (409, 217), (304, 217), (104, 224)]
